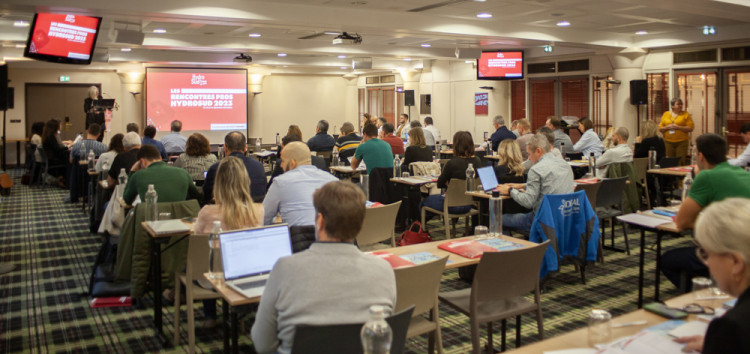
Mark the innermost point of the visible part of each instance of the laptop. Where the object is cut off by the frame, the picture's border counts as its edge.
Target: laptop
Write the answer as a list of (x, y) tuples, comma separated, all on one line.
[(488, 178), (249, 255)]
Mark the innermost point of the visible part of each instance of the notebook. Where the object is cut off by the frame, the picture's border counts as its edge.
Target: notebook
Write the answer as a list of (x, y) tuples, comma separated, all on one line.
[(487, 177), (171, 226), (249, 255)]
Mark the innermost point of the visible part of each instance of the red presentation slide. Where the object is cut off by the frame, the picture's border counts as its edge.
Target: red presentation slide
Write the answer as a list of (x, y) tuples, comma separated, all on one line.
[(69, 36), (501, 64), (201, 99)]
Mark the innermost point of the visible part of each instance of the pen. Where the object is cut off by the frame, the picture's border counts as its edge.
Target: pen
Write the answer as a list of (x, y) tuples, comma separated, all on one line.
[(628, 324)]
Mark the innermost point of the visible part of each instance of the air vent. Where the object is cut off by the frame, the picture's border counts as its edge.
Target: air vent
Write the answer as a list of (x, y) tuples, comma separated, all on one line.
[(737, 53), (573, 65), (541, 68), (695, 57)]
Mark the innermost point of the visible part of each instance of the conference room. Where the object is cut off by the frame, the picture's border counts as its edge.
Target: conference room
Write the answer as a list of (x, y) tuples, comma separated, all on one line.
[(259, 67)]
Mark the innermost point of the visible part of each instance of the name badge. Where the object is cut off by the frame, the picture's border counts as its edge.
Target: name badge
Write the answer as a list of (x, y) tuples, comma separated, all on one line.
[(671, 131)]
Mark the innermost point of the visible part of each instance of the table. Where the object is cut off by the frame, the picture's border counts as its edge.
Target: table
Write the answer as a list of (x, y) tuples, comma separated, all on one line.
[(579, 337), (668, 172), (348, 171), (408, 184), (231, 300), (18, 151)]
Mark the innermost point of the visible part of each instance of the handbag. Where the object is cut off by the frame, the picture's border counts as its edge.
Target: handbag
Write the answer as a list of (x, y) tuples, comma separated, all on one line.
[(411, 237)]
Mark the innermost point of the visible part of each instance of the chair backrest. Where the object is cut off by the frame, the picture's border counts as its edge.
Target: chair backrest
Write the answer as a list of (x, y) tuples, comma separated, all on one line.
[(418, 286), (302, 237), (456, 194), (610, 192), (324, 154), (641, 166), (507, 274), (592, 191), (378, 224), (666, 162), (344, 338), (197, 256), (574, 155)]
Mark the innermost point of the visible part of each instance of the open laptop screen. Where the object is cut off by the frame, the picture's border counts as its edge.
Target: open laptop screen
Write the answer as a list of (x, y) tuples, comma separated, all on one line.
[(253, 251), (487, 177)]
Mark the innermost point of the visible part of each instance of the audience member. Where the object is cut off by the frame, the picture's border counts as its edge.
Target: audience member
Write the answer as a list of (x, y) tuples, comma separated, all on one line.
[(174, 143), (79, 152), (510, 166), (321, 142), (347, 143), (561, 138), (37, 129), (148, 139), (235, 144), (524, 135), (647, 140), (548, 175), (330, 283), (197, 158), (290, 194), (131, 144), (403, 120), (115, 147), (589, 142), (618, 154), (676, 126), (417, 149), (744, 159), (397, 145), (430, 127), (514, 128), (375, 152), (379, 123), (429, 139), (501, 132), (550, 135), (57, 153), (132, 127), (294, 130), (172, 184), (716, 181), (366, 118)]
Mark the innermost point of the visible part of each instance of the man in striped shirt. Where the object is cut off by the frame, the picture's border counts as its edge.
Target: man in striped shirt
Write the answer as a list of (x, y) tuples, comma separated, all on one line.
[(347, 143)]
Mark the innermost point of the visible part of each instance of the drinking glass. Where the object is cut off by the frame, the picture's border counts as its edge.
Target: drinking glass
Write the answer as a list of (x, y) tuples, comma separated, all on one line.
[(404, 174), (481, 232), (702, 288), (600, 327)]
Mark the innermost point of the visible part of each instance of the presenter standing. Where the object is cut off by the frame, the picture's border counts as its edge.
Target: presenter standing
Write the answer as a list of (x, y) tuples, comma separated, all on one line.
[(676, 126), (93, 114)]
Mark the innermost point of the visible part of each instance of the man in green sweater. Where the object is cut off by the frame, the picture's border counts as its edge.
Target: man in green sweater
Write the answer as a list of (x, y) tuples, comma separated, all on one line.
[(172, 184)]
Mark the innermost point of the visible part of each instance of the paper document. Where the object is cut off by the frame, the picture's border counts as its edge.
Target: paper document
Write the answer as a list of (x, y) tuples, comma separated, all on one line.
[(643, 220), (692, 328), (168, 226)]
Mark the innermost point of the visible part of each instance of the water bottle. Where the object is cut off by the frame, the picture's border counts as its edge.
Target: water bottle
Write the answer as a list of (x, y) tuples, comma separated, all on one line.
[(687, 182), (221, 152), (592, 165), (105, 165), (257, 145), (364, 183), (693, 155), (470, 178), (151, 200), (562, 150), (496, 214), (376, 334), (213, 252), (335, 157), (122, 179), (278, 140), (651, 158), (396, 166), (92, 164)]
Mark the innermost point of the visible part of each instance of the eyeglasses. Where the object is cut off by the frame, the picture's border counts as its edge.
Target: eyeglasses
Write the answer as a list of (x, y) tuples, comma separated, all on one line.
[(701, 252), (698, 309)]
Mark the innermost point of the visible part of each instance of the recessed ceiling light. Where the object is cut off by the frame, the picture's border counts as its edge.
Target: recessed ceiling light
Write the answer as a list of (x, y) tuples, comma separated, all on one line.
[(125, 49), (426, 45), (281, 54), (407, 59), (469, 62), (563, 24), (21, 23), (160, 30), (641, 33), (344, 67), (254, 35), (20, 46), (331, 33), (484, 15), (342, 56), (480, 0)]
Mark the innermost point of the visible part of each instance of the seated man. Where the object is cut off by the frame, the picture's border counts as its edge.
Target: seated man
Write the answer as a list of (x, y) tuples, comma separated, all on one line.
[(375, 152), (235, 145), (744, 159), (291, 193), (172, 184), (148, 139), (330, 283), (562, 140), (174, 143), (397, 145), (501, 132), (79, 152), (132, 144), (430, 127), (347, 143), (716, 181), (429, 139), (321, 141), (620, 153), (548, 175)]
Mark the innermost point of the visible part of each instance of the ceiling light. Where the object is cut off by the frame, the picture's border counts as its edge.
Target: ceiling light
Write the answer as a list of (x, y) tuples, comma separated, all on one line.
[(426, 45), (641, 33), (407, 59), (469, 62), (563, 24), (21, 23), (484, 15), (160, 30), (125, 49), (331, 33), (254, 35), (344, 67), (548, 49), (480, 0), (342, 56), (709, 30), (281, 54)]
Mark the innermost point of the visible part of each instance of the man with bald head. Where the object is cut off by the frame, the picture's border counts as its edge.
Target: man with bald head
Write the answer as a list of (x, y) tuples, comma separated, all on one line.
[(291, 193)]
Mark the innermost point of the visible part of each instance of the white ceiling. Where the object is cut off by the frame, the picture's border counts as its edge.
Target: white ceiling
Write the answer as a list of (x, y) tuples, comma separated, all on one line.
[(213, 34)]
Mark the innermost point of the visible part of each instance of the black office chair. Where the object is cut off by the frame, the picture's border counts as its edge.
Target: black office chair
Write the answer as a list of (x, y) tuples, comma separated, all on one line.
[(574, 155), (609, 204), (344, 338)]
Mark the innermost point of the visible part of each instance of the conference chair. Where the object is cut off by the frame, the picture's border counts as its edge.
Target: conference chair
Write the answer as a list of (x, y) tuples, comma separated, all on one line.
[(454, 196), (197, 264), (501, 283), (591, 189), (378, 226), (641, 166), (418, 286), (344, 338), (610, 205), (46, 166)]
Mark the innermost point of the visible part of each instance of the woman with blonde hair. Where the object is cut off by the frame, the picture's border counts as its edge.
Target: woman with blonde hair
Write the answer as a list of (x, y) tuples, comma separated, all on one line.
[(509, 168), (647, 140), (93, 114)]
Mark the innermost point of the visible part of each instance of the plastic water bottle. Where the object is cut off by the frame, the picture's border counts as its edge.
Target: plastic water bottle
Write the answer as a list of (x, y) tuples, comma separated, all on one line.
[(470, 178), (122, 178), (687, 182), (221, 152), (376, 334), (651, 158), (151, 200), (496, 215), (396, 166), (278, 140), (257, 145), (335, 157), (592, 165), (92, 164), (562, 151), (214, 251)]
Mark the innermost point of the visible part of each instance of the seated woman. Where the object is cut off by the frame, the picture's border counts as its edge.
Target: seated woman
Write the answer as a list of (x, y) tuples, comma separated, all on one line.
[(724, 246), (417, 149), (463, 155), (197, 157), (589, 142), (234, 208), (647, 140), (57, 153), (115, 147), (509, 168)]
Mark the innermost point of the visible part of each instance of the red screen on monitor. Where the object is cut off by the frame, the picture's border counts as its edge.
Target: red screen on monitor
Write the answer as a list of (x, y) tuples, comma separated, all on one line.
[(500, 65), (62, 38), (203, 99)]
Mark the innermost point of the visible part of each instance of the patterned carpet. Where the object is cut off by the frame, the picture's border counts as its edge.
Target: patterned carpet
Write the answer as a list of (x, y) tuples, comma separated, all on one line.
[(43, 309)]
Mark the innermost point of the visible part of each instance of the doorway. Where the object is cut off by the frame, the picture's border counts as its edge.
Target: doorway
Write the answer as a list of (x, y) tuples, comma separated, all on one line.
[(698, 90), (63, 102)]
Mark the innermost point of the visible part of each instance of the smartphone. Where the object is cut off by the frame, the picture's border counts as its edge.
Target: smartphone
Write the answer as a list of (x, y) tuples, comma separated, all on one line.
[(665, 311)]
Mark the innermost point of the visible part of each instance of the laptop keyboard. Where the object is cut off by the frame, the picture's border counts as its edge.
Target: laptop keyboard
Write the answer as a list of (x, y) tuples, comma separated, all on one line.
[(252, 284)]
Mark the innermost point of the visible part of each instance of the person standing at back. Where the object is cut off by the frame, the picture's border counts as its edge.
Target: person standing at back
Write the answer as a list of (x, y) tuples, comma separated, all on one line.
[(174, 143), (429, 126), (373, 151), (676, 126), (321, 141)]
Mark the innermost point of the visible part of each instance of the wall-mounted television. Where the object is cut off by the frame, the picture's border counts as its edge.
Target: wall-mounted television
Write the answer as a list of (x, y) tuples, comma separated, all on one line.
[(500, 65), (62, 38)]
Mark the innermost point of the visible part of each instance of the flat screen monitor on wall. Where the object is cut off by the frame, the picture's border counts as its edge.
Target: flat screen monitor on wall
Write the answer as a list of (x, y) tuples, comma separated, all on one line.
[(62, 38), (500, 65), (210, 101)]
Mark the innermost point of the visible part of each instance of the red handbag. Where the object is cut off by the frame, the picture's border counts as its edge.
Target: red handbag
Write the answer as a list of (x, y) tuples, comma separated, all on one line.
[(411, 237)]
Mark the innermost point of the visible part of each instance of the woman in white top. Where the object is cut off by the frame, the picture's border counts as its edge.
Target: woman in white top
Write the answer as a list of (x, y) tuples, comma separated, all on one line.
[(589, 141), (115, 147)]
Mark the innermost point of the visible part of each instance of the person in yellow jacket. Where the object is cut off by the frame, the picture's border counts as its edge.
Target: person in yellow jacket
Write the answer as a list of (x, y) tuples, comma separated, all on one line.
[(676, 126)]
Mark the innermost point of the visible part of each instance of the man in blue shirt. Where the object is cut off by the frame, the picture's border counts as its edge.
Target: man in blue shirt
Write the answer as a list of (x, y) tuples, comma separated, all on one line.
[(501, 132), (321, 142), (235, 145), (174, 143), (148, 139), (291, 193)]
